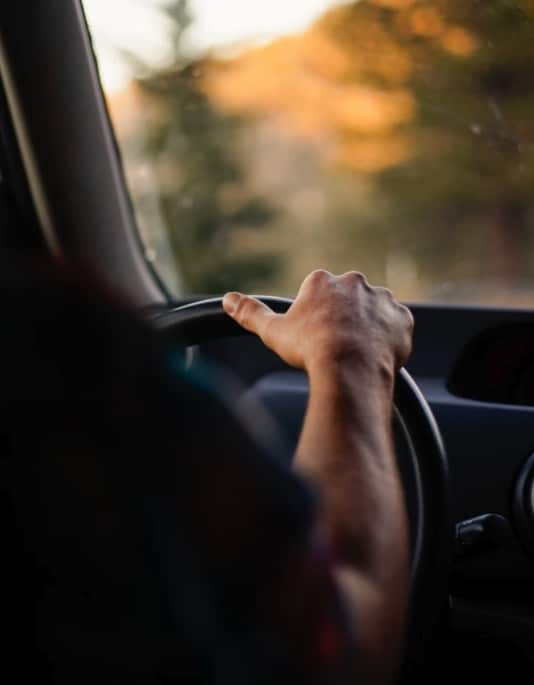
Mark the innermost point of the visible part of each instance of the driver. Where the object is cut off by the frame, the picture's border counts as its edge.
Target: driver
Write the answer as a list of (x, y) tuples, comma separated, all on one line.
[(149, 537)]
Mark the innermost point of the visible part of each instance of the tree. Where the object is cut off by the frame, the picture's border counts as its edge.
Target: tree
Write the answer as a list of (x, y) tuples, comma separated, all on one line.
[(426, 105), (190, 149), (464, 202)]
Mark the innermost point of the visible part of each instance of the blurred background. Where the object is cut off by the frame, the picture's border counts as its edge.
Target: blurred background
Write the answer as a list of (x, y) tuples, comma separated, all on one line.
[(261, 140)]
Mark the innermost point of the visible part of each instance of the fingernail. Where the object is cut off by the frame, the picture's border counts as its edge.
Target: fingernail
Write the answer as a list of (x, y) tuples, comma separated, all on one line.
[(230, 302)]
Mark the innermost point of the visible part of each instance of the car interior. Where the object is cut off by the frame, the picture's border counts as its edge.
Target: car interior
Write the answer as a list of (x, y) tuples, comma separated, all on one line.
[(393, 137)]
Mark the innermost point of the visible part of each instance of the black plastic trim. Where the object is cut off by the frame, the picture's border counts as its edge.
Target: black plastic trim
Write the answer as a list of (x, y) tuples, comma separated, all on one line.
[(69, 152), (20, 232)]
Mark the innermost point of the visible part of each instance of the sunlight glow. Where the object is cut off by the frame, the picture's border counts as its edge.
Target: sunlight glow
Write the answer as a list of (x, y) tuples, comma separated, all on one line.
[(139, 27), (220, 23)]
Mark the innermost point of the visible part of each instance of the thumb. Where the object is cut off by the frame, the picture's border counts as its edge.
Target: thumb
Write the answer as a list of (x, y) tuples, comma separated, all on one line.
[(250, 313)]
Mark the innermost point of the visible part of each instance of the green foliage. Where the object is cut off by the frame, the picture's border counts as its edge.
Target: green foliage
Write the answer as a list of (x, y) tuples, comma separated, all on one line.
[(198, 144), (459, 208), (463, 204)]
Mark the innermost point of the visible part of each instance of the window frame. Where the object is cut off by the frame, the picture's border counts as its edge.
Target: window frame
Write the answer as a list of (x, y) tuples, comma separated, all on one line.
[(67, 145)]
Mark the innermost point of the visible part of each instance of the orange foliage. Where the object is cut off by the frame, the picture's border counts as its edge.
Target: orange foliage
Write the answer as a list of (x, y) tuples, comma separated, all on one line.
[(132, 111), (344, 79), (459, 41), (393, 4), (370, 110), (371, 155), (324, 84), (125, 107), (527, 6), (426, 22)]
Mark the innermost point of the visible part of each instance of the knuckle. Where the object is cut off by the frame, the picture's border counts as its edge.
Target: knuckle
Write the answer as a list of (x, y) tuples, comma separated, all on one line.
[(243, 309), (353, 277), (384, 292), (318, 275), (362, 280), (357, 280), (408, 315)]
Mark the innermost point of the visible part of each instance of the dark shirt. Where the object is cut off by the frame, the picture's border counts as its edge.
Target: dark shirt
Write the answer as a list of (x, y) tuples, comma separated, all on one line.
[(144, 521)]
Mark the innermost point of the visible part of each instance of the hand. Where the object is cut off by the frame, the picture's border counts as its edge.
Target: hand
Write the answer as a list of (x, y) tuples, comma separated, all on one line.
[(334, 319), (349, 337)]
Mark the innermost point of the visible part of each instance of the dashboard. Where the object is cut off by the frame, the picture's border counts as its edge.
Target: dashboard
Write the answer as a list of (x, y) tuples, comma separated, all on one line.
[(475, 370)]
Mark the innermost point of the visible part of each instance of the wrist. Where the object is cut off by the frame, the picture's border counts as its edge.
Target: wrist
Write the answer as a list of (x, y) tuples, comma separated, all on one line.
[(374, 373)]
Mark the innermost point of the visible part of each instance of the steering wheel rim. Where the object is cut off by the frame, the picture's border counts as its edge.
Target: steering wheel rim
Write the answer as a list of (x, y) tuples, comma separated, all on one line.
[(205, 320)]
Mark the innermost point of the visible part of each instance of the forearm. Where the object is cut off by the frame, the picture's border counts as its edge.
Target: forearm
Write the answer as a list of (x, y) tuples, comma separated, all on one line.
[(350, 338), (346, 450)]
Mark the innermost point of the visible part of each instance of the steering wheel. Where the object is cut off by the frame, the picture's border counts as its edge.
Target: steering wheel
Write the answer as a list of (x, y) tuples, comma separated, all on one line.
[(420, 454)]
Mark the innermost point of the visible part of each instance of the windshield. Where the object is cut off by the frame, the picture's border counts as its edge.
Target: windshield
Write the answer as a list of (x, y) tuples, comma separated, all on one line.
[(262, 140)]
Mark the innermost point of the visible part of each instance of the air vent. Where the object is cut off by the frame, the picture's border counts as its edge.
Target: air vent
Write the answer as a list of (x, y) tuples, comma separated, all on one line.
[(497, 366)]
